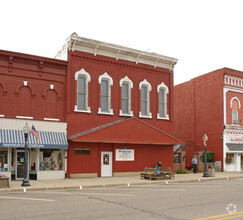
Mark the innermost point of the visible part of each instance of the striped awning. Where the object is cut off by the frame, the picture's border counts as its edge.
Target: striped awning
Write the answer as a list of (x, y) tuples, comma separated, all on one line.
[(48, 140)]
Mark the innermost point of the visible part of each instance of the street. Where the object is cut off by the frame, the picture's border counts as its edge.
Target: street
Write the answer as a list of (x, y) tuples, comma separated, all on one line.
[(221, 199)]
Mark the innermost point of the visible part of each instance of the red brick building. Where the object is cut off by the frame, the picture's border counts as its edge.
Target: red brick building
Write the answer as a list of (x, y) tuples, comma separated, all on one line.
[(32, 90), (211, 104), (119, 108)]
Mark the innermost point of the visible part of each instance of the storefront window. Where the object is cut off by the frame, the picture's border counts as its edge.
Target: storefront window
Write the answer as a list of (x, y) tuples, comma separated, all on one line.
[(51, 160), (3, 160), (229, 158)]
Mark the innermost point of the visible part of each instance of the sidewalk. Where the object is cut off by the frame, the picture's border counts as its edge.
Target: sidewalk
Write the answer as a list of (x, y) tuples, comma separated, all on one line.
[(114, 181)]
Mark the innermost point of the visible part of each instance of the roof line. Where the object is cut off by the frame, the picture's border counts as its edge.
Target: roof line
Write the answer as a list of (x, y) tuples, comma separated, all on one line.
[(98, 128), (158, 129)]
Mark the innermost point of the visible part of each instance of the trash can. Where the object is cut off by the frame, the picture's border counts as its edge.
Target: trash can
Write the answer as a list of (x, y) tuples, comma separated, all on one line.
[(211, 171)]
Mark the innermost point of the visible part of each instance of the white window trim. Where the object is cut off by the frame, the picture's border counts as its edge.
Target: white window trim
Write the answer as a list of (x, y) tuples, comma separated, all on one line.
[(145, 83), (110, 80), (235, 98), (82, 72), (163, 86), (130, 83)]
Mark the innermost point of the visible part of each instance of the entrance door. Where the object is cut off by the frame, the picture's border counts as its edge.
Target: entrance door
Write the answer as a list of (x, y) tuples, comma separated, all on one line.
[(106, 164), (20, 164)]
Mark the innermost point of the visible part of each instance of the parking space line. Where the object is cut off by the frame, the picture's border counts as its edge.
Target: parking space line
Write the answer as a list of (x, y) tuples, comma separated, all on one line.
[(23, 198), (83, 193), (223, 216)]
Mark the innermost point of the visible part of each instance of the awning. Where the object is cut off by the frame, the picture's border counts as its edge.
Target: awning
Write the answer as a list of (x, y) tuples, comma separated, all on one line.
[(49, 140), (127, 130), (235, 147)]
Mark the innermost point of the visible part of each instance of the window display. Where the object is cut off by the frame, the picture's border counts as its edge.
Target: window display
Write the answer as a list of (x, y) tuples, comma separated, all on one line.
[(51, 160), (3, 160)]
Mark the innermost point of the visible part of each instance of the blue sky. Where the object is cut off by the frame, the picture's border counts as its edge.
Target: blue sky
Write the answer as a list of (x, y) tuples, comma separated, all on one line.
[(203, 35)]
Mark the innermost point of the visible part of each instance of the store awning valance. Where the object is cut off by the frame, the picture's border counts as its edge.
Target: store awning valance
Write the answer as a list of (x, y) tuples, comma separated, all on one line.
[(235, 147), (15, 139), (128, 130)]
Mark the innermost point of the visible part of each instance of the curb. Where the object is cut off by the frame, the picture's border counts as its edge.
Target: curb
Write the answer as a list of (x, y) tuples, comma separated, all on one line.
[(46, 188)]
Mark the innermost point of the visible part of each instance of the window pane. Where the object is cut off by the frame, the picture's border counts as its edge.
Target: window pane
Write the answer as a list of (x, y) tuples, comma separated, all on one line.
[(144, 100), (81, 102), (81, 84), (104, 87), (144, 108), (82, 93), (125, 98), (162, 105), (104, 104), (125, 104), (144, 93), (125, 90)]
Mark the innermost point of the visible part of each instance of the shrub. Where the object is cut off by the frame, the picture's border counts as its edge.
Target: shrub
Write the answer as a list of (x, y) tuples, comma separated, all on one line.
[(210, 157), (182, 172)]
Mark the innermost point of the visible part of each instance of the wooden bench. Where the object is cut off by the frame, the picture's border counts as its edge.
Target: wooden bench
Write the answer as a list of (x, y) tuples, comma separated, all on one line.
[(167, 172), (151, 173)]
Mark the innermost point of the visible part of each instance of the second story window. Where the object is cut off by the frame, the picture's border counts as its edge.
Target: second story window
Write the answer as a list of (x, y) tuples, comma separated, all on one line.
[(235, 105), (82, 93), (105, 82), (104, 96), (82, 78), (162, 90), (126, 86), (145, 88)]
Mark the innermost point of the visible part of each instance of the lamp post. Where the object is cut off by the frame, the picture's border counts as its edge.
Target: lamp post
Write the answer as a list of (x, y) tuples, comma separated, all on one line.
[(26, 131), (205, 139)]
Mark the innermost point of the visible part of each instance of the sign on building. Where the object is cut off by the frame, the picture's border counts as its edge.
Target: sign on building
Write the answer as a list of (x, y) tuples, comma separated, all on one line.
[(124, 154)]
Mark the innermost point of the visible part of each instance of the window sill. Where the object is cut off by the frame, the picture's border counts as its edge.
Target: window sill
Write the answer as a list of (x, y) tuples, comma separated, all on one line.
[(24, 117), (126, 115), (105, 113), (82, 111), (163, 118), (51, 119), (145, 116)]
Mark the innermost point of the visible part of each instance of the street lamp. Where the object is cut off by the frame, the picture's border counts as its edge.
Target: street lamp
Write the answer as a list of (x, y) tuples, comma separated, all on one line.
[(26, 130), (205, 139)]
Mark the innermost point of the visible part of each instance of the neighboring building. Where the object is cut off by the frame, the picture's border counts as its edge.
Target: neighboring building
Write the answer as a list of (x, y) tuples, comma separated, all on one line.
[(211, 104), (119, 106), (32, 90)]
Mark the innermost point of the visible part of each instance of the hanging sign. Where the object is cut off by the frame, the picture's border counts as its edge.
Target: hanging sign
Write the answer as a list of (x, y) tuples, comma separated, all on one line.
[(124, 154)]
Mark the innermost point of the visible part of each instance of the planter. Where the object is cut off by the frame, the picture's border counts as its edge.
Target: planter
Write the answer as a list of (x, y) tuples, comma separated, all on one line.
[(4, 182)]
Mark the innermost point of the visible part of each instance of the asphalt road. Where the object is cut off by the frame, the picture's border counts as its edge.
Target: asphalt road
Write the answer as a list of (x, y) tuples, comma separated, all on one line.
[(222, 199)]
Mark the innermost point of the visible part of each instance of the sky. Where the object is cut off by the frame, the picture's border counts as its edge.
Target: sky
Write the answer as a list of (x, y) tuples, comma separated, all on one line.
[(204, 35)]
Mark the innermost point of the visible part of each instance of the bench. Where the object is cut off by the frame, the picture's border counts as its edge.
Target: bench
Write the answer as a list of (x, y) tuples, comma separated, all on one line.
[(152, 174)]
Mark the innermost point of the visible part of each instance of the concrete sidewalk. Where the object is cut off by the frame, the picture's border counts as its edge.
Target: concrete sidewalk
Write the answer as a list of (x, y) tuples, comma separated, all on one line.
[(114, 181)]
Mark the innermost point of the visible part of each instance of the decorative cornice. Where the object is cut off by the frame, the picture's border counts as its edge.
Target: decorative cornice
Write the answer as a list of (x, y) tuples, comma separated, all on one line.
[(74, 42), (233, 81)]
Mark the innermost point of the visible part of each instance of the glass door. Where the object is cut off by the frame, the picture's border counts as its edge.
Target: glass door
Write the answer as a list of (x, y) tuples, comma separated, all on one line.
[(20, 164)]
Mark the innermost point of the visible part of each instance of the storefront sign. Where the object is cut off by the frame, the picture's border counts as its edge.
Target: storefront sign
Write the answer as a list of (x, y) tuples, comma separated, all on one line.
[(124, 154), (235, 139)]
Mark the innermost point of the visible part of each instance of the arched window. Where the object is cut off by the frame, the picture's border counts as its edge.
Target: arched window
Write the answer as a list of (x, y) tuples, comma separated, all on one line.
[(235, 105), (25, 101), (145, 88), (126, 86), (105, 82), (163, 90), (1, 100), (51, 104), (82, 78)]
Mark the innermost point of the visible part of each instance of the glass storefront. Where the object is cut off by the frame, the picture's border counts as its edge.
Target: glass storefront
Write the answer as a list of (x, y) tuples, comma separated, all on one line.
[(3, 159), (51, 159)]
